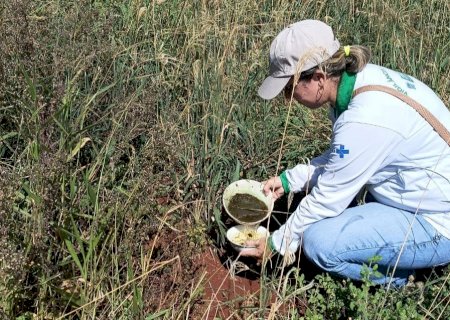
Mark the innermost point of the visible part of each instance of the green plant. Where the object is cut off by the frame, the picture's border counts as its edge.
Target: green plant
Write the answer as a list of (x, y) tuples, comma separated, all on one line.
[(121, 122)]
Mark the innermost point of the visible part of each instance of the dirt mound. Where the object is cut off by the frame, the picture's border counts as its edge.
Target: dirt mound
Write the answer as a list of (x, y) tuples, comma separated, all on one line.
[(226, 295), (236, 294)]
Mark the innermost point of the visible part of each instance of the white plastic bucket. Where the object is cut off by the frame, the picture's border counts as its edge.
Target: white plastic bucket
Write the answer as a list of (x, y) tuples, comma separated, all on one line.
[(250, 187), (235, 233)]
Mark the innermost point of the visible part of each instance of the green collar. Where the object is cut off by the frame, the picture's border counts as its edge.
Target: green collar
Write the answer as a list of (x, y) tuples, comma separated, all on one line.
[(344, 92)]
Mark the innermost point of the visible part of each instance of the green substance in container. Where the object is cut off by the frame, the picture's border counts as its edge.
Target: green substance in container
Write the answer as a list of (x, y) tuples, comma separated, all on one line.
[(247, 208)]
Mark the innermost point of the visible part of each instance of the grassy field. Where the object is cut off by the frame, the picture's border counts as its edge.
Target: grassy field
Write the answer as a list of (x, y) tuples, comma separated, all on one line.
[(122, 121)]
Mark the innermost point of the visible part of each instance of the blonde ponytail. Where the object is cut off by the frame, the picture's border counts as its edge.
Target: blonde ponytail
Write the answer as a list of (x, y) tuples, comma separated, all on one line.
[(353, 62)]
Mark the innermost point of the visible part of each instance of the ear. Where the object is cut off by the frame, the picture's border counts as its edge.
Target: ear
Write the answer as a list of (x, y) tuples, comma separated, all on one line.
[(319, 76)]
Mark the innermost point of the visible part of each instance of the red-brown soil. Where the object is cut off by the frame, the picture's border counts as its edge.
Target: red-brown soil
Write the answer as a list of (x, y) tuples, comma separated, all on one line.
[(221, 295), (226, 296), (202, 279), (238, 297)]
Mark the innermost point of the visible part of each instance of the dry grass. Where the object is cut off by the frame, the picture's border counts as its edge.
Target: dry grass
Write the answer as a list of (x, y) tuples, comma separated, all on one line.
[(121, 122)]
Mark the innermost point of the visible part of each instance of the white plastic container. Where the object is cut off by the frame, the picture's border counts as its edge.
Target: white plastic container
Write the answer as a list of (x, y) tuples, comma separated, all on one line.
[(250, 229), (250, 187), (237, 235)]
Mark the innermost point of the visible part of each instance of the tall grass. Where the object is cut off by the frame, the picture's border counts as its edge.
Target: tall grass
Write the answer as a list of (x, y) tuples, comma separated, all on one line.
[(122, 121)]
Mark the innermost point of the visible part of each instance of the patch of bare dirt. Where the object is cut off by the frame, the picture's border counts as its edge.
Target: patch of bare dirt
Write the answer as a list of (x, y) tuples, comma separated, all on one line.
[(238, 295), (219, 293), (226, 296)]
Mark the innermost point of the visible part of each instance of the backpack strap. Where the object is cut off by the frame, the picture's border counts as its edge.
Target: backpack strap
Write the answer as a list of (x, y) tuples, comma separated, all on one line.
[(427, 115)]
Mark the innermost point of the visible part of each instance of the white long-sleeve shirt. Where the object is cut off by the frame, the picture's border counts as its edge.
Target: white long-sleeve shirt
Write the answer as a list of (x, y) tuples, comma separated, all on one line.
[(383, 143)]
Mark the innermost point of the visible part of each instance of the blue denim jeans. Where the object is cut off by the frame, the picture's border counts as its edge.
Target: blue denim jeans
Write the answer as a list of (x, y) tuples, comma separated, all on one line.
[(341, 245)]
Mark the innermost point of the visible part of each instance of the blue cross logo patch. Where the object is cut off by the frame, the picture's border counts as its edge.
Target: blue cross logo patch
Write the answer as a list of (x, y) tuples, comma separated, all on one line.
[(341, 151)]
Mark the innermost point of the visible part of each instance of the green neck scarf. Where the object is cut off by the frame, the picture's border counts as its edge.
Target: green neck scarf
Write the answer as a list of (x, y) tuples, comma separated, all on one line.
[(344, 92)]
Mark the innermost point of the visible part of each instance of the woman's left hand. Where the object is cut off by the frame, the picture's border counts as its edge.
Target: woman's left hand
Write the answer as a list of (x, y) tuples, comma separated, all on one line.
[(260, 246)]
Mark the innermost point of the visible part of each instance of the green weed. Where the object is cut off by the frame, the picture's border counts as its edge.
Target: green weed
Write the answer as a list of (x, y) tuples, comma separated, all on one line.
[(121, 122)]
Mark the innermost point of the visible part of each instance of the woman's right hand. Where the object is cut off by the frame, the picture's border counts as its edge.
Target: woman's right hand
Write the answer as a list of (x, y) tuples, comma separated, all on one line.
[(274, 186)]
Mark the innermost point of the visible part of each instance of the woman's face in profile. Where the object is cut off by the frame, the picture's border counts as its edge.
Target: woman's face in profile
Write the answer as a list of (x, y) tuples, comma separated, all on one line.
[(310, 92)]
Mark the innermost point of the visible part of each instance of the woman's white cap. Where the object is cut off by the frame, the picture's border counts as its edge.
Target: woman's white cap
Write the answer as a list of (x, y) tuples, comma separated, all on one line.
[(310, 41)]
